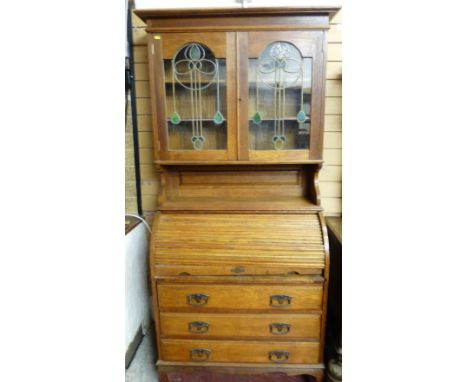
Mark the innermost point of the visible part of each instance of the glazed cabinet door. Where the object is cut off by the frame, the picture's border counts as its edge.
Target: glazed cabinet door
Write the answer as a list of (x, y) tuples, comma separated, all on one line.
[(281, 81), (194, 104)]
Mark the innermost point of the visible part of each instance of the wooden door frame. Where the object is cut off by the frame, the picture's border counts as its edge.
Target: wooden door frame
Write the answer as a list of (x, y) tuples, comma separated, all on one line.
[(158, 96), (316, 52)]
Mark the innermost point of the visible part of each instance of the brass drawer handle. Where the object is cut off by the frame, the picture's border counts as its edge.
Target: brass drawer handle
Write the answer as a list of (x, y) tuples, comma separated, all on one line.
[(198, 327), (197, 299), (280, 300), (200, 354), (278, 356), (280, 328)]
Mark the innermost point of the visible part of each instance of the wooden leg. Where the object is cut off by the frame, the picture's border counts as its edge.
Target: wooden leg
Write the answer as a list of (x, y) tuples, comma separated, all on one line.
[(182, 374), (162, 375), (316, 376)]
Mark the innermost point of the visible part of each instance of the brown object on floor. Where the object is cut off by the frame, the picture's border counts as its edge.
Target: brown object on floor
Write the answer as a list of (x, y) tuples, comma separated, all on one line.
[(215, 377), (130, 223)]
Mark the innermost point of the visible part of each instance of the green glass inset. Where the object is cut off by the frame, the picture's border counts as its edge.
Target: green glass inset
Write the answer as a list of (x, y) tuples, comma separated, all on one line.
[(279, 141), (198, 142), (195, 52), (218, 118), (175, 118), (278, 144), (257, 118), (301, 117)]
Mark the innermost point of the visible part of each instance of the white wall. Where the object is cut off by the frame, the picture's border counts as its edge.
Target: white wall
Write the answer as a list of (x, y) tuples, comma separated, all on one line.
[(137, 296)]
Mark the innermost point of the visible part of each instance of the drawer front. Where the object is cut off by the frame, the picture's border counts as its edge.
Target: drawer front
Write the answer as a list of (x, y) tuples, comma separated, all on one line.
[(164, 269), (240, 351), (200, 297), (273, 326)]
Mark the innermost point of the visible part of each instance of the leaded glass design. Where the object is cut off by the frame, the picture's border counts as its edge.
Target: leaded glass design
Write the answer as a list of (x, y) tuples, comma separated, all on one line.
[(279, 98), (195, 99)]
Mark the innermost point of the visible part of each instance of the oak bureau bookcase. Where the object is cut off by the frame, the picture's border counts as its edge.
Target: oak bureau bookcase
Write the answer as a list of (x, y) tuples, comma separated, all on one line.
[(239, 250)]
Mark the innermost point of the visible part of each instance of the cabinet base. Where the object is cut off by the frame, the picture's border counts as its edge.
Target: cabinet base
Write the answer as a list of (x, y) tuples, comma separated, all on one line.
[(185, 372)]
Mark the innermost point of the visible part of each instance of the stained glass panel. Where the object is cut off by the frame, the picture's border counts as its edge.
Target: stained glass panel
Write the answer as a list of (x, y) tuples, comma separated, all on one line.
[(196, 99), (280, 82)]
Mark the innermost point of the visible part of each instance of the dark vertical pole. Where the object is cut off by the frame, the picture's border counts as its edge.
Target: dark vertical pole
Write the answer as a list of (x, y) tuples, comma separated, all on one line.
[(131, 78)]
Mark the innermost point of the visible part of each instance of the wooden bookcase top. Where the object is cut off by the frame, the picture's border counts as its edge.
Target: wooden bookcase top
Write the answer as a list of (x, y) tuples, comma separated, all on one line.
[(146, 14)]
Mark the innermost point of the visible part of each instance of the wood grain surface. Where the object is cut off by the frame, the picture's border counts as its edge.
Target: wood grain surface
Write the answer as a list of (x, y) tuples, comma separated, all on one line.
[(265, 238), (239, 253), (240, 297), (241, 325), (241, 351), (330, 176)]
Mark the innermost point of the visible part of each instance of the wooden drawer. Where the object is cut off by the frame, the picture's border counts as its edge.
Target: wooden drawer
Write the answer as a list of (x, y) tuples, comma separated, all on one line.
[(273, 326), (162, 270), (202, 297), (240, 351)]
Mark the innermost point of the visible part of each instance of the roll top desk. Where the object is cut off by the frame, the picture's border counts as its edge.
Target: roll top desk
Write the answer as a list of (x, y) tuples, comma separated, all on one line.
[(239, 250)]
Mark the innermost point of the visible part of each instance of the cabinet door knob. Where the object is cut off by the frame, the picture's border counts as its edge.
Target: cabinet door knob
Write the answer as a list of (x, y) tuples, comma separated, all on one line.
[(197, 299), (198, 327), (278, 356), (200, 354), (280, 300), (280, 328)]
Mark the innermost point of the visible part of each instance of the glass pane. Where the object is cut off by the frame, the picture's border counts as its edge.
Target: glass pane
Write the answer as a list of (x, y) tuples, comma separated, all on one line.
[(196, 99), (280, 83)]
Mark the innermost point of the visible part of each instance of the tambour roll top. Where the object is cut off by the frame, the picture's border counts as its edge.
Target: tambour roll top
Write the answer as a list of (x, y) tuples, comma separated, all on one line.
[(288, 243)]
